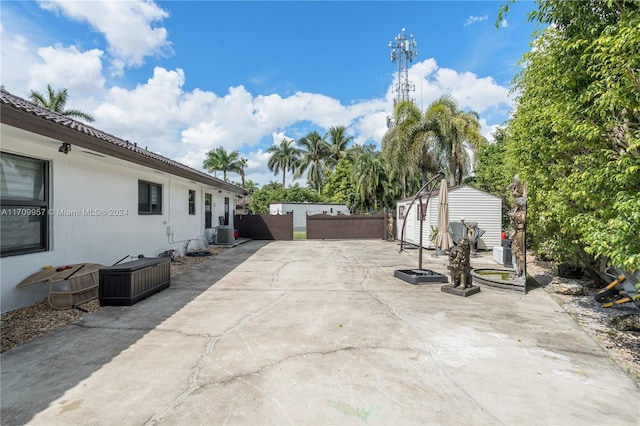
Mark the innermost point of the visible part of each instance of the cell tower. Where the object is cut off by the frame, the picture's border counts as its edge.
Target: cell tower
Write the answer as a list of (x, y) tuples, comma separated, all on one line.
[(403, 50)]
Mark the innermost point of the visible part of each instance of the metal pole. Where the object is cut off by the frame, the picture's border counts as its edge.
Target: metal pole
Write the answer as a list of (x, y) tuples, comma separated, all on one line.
[(438, 175), (421, 231)]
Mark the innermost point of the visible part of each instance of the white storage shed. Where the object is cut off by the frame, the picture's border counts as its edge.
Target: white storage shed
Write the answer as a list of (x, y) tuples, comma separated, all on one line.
[(465, 201)]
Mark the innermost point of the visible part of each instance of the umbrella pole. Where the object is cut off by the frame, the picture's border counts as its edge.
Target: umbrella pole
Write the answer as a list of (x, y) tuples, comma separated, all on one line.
[(420, 245)]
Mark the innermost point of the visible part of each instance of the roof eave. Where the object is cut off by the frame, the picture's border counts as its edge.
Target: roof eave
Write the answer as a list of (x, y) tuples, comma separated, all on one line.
[(32, 123)]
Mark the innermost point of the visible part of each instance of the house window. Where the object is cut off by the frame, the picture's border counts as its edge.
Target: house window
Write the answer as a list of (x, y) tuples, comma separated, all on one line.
[(401, 212), (226, 211), (208, 214), (149, 198), (24, 203), (192, 202)]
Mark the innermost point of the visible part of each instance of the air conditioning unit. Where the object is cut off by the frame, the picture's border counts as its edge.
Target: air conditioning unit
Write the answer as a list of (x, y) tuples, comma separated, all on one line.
[(225, 235)]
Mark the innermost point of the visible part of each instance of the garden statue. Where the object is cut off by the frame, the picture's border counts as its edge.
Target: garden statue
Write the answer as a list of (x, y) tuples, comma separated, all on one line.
[(390, 236), (473, 235), (518, 217), (459, 264)]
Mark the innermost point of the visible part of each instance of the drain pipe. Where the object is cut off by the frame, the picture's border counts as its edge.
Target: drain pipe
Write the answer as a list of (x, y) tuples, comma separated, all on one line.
[(172, 241)]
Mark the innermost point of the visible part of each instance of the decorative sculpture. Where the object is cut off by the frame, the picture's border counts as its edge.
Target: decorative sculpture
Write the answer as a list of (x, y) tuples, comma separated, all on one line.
[(518, 218), (390, 236), (473, 235), (459, 264)]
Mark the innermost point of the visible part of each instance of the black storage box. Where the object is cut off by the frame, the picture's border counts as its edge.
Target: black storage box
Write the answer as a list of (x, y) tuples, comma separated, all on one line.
[(130, 282)]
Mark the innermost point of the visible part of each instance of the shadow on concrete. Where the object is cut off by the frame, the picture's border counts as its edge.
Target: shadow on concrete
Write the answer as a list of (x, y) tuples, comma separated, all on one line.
[(42, 370)]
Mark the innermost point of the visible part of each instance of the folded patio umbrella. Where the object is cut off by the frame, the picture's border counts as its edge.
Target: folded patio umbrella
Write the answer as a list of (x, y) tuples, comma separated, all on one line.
[(443, 239)]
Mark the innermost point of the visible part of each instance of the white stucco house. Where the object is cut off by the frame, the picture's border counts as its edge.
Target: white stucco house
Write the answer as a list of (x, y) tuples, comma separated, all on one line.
[(301, 210), (465, 201), (72, 194)]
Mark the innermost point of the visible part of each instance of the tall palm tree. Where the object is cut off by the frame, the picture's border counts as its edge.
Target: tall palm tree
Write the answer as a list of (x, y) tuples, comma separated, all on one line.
[(243, 164), (407, 148), (56, 101), (315, 156), (338, 141), (373, 185), (455, 133), (283, 157), (221, 159)]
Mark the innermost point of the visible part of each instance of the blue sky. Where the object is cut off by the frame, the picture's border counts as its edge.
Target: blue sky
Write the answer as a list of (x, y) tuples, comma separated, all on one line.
[(183, 77)]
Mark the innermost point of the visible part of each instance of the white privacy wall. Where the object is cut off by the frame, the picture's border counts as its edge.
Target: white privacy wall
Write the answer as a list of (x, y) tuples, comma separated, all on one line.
[(108, 187), (301, 210)]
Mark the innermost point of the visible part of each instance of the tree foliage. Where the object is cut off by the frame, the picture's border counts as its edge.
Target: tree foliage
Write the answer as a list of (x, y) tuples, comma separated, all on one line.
[(340, 187), (575, 135), (283, 157), (374, 185), (268, 194), (315, 157), (225, 161), (453, 134), (425, 144), (402, 145), (492, 172), (338, 143), (57, 101)]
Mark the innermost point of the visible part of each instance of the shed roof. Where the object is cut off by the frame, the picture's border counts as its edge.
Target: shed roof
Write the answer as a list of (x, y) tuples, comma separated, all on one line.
[(20, 113), (452, 189)]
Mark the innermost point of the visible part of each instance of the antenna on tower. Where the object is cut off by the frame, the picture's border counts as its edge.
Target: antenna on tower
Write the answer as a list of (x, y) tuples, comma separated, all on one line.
[(403, 50)]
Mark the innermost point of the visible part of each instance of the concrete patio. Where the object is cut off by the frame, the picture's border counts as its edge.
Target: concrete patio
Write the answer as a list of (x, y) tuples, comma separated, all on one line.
[(318, 332)]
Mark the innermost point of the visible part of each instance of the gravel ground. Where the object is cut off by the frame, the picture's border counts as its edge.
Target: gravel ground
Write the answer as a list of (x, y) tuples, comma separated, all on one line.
[(22, 325)]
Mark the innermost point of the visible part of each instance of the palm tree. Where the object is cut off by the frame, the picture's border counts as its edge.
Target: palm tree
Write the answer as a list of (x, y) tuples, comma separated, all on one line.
[(442, 138), (315, 155), (221, 159), (407, 148), (56, 101), (454, 132), (373, 185), (243, 164), (283, 157), (338, 142)]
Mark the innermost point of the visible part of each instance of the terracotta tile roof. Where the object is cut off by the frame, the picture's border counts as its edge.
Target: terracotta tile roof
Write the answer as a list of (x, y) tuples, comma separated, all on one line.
[(134, 153)]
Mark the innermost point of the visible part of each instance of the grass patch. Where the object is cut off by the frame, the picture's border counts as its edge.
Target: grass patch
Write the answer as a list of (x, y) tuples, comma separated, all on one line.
[(299, 235)]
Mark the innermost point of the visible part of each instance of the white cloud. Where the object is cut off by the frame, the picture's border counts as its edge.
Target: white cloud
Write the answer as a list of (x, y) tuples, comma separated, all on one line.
[(504, 23), (241, 121), (127, 26), (487, 130), (471, 92), (16, 56), (479, 94), (67, 67), (473, 19), (184, 125)]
